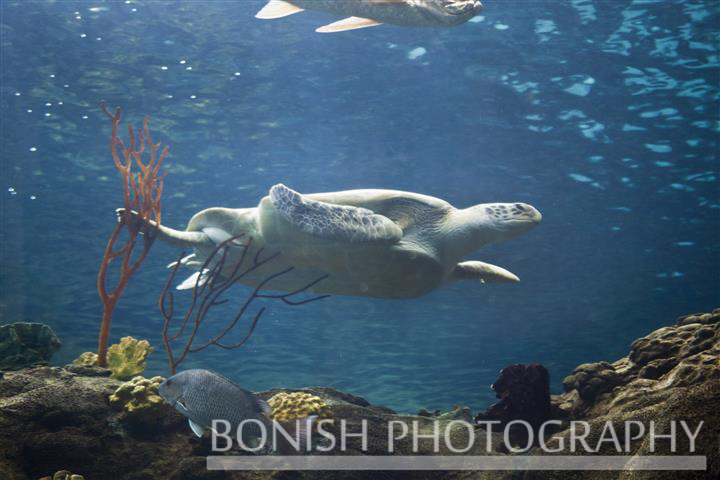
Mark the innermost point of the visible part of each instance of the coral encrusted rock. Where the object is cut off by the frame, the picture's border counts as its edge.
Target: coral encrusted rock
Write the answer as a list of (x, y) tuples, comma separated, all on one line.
[(139, 399), (25, 344)]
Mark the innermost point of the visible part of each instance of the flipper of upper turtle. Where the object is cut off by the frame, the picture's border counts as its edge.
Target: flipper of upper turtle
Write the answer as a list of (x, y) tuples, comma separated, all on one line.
[(378, 243), (369, 13)]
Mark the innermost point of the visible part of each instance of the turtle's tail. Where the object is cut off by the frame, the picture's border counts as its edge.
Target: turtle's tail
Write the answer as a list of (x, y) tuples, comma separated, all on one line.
[(172, 236)]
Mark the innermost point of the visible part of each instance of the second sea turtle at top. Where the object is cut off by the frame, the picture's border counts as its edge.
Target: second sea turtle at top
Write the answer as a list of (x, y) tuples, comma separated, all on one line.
[(370, 242), (369, 13)]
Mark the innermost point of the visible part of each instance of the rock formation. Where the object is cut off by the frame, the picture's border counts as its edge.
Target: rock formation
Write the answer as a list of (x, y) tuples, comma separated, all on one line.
[(60, 419), (23, 344)]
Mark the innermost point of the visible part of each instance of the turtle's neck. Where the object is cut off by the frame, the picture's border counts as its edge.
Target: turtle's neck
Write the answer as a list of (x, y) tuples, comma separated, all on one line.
[(468, 230)]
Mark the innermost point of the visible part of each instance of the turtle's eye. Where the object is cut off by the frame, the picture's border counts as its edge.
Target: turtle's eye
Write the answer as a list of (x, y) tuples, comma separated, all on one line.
[(521, 207)]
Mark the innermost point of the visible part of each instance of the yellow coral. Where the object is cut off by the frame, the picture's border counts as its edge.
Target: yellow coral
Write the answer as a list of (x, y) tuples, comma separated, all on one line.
[(64, 474), (139, 397), (297, 405), (128, 358), (86, 359)]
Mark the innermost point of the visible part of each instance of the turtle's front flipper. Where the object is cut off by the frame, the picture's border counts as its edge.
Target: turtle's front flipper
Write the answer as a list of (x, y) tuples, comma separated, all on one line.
[(175, 237), (483, 272), (330, 221)]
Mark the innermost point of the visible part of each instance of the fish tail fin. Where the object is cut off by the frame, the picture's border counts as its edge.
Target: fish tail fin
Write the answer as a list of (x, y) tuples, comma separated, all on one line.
[(304, 433), (299, 437)]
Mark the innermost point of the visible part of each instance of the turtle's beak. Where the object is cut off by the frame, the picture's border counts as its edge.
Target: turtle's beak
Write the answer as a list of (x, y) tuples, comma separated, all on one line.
[(529, 212)]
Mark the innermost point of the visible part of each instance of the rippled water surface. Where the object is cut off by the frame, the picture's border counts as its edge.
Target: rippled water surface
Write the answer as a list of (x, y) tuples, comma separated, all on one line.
[(603, 115)]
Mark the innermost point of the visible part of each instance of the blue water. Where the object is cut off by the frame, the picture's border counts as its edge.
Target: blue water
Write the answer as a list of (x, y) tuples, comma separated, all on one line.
[(603, 115)]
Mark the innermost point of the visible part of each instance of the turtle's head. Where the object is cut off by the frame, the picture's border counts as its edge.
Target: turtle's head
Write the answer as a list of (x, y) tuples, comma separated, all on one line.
[(509, 219), (487, 223)]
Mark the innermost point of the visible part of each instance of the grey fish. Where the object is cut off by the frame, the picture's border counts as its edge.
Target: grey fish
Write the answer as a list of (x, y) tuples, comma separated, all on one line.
[(369, 13), (203, 396)]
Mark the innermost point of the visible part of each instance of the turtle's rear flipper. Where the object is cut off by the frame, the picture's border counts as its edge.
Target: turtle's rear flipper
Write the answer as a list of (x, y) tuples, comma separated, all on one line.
[(134, 220), (483, 272), (170, 235)]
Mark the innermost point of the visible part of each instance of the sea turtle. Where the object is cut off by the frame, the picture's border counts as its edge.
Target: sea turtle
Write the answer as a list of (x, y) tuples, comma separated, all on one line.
[(371, 242), (369, 13)]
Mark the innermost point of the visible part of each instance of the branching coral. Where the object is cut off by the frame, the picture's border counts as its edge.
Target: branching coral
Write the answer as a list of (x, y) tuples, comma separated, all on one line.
[(141, 195), (209, 293)]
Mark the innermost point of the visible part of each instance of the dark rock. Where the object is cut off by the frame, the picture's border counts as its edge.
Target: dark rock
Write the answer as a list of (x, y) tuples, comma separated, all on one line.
[(524, 393), (25, 344)]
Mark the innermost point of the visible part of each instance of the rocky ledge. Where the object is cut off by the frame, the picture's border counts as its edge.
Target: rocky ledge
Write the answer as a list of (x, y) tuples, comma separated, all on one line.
[(61, 418)]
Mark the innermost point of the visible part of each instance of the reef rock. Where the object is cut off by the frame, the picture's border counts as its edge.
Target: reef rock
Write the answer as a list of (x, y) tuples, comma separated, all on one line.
[(25, 344), (659, 364), (52, 418), (670, 375)]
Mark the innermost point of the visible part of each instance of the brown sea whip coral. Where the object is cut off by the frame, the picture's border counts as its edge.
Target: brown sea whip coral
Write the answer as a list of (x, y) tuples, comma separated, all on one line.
[(141, 200), (208, 292)]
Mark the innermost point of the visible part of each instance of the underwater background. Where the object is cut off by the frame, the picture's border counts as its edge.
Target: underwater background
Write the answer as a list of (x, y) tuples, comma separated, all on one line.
[(603, 115)]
